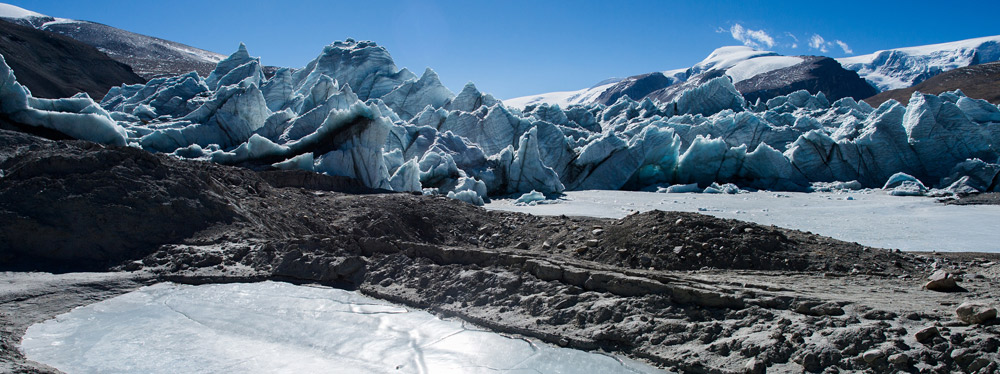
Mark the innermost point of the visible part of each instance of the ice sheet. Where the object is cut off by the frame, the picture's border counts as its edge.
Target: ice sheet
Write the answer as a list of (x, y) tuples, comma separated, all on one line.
[(873, 219), (273, 327)]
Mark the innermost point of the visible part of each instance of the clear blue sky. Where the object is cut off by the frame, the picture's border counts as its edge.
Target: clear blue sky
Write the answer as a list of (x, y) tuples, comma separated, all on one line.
[(517, 48)]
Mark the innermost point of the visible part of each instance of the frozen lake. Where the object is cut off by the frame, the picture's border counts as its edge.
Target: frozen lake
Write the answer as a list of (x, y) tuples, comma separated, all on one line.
[(273, 327), (872, 218)]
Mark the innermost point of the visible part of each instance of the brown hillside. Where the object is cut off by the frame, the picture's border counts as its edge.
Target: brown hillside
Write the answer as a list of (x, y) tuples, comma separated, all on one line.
[(977, 81)]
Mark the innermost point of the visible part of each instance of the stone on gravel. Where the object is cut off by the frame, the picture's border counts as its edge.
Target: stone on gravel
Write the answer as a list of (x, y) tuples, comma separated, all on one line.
[(942, 281), (899, 359), (872, 355), (926, 334), (975, 313), (755, 366)]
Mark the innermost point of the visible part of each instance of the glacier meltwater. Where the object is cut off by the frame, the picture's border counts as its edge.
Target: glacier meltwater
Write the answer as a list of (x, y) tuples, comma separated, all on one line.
[(273, 327)]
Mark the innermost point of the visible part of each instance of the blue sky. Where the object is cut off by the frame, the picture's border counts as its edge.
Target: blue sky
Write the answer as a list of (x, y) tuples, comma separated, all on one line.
[(517, 48)]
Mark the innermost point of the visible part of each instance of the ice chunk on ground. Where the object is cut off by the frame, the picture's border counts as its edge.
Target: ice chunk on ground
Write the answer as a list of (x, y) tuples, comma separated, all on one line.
[(530, 197), (683, 188)]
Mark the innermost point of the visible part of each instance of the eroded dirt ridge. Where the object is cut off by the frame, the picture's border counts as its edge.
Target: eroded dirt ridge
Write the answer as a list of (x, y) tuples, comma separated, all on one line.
[(688, 292)]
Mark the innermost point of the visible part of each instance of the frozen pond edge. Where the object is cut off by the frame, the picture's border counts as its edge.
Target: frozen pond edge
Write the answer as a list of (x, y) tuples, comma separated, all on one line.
[(191, 334), (873, 218)]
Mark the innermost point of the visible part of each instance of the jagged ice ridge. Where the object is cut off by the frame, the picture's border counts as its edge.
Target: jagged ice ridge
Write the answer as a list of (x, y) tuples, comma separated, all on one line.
[(352, 112)]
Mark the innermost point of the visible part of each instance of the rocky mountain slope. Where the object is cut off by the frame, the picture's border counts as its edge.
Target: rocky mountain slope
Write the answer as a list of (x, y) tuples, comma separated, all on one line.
[(684, 291), (976, 81), (148, 56), (56, 66), (739, 63)]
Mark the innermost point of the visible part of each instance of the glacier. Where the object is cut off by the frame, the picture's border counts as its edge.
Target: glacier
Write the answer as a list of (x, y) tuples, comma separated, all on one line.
[(351, 112), (273, 327), (904, 67)]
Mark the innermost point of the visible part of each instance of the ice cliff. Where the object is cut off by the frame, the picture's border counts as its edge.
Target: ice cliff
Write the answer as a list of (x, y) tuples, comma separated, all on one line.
[(352, 112)]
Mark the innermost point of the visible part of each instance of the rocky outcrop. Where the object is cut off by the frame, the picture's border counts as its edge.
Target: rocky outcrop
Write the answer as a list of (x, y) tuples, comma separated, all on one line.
[(816, 74)]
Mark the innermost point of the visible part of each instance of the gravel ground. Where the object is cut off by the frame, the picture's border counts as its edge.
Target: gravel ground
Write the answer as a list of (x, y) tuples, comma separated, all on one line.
[(687, 292)]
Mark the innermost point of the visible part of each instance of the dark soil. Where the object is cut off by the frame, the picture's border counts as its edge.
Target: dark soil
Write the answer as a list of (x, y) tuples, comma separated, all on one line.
[(986, 198)]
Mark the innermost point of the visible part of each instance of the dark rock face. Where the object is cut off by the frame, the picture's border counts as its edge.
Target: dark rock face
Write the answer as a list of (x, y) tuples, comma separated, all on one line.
[(977, 81), (54, 66), (635, 87), (816, 74)]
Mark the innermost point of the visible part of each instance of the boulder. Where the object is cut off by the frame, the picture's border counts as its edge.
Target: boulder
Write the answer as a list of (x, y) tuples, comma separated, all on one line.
[(926, 334), (975, 313), (942, 281)]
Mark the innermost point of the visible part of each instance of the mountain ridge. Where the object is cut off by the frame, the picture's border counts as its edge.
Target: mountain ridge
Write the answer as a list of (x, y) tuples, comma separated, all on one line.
[(887, 69), (150, 57)]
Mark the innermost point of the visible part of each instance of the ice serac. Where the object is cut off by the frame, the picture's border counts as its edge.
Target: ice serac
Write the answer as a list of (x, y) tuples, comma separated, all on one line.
[(526, 172), (352, 113), (235, 61), (363, 65), (471, 99), (715, 96), (941, 134), (413, 96), (79, 116)]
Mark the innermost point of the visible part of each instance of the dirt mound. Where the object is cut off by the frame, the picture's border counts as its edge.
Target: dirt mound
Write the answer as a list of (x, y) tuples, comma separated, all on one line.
[(87, 206), (690, 241)]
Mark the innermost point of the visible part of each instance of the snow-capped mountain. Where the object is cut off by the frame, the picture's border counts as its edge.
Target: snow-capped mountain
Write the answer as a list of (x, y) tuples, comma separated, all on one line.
[(884, 70), (739, 63), (905, 67), (564, 98), (148, 56)]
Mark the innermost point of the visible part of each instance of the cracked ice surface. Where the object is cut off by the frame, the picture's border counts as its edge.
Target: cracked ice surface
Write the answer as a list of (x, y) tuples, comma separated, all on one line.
[(273, 327), (871, 218)]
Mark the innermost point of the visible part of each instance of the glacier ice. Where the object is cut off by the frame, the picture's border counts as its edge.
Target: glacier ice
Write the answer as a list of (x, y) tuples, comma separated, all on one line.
[(78, 116), (273, 327), (905, 67), (352, 112)]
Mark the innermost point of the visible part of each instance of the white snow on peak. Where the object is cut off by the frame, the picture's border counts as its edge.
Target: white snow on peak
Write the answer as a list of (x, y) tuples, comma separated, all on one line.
[(904, 67), (742, 62), (58, 21), (11, 11), (739, 62), (561, 98)]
